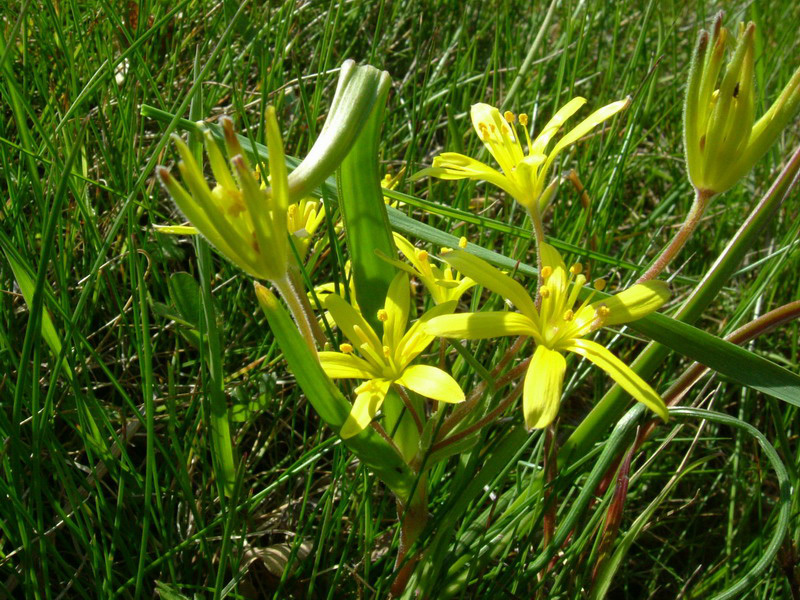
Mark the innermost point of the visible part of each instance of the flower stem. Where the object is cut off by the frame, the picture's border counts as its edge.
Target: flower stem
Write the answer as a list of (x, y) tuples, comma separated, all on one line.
[(498, 410), (465, 408), (674, 247), (409, 407), (413, 517), (302, 318)]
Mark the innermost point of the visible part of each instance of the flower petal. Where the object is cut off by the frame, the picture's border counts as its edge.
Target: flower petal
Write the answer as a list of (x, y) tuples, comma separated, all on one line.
[(584, 127), (497, 136), (348, 318), (634, 303), (452, 166), (176, 229), (481, 325), (486, 275), (369, 399), (338, 365), (555, 123), (397, 306), (417, 338), (541, 396), (621, 373), (431, 382)]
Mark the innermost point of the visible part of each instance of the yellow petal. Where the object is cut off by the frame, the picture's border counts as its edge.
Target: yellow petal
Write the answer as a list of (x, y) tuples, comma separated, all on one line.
[(176, 229), (486, 275), (482, 325), (635, 302), (397, 306), (541, 396), (589, 123), (369, 399), (496, 135), (432, 383), (452, 166), (557, 281), (554, 124), (621, 373), (338, 365), (348, 318), (417, 338)]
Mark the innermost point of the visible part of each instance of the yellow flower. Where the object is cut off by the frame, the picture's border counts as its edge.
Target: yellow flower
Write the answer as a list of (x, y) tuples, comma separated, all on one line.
[(247, 224), (722, 139), (524, 176), (389, 182), (556, 326), (442, 283), (387, 360), (304, 218)]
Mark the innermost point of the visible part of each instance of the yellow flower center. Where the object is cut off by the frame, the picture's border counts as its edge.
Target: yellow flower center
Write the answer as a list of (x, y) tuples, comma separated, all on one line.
[(558, 319)]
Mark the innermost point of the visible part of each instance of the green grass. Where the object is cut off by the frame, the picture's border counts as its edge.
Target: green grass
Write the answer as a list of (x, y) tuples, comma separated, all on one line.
[(108, 485)]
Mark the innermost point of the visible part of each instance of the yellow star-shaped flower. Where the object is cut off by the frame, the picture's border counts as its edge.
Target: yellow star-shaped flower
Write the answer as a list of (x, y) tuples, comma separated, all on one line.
[(523, 176), (556, 326), (386, 360)]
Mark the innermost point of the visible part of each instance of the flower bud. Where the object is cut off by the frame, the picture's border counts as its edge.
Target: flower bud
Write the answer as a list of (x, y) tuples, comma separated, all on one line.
[(722, 140)]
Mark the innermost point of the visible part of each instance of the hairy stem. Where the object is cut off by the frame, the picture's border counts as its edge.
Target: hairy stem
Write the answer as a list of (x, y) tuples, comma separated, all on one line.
[(301, 317), (674, 247)]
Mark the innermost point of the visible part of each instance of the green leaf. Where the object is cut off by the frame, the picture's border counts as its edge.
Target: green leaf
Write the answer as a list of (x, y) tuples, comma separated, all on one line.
[(735, 362), (185, 292), (364, 212)]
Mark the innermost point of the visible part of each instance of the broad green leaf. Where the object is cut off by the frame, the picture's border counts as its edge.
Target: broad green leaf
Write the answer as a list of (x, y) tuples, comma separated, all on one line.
[(365, 221)]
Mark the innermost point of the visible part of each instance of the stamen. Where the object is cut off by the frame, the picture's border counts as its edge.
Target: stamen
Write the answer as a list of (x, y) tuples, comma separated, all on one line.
[(462, 243), (576, 269), (544, 291), (603, 311), (509, 116), (599, 284), (568, 315), (483, 132), (387, 351), (422, 256), (523, 119), (576, 289), (361, 335), (546, 272), (346, 348), (383, 316), (445, 250)]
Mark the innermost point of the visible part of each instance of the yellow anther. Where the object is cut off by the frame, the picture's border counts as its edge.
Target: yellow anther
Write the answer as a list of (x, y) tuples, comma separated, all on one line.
[(544, 291), (346, 348), (568, 315), (383, 315), (599, 284), (387, 351), (483, 132), (576, 269), (462, 243), (509, 116), (445, 250), (603, 311), (546, 272), (422, 256), (523, 119), (292, 211)]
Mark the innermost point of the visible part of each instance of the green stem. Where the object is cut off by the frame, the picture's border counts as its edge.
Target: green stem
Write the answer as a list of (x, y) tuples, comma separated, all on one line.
[(303, 319), (674, 247)]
